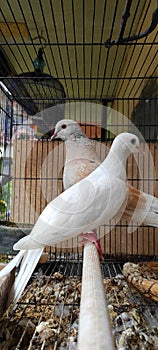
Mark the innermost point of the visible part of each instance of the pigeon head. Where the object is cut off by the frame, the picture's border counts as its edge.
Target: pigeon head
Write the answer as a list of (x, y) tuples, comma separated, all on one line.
[(66, 128), (127, 143)]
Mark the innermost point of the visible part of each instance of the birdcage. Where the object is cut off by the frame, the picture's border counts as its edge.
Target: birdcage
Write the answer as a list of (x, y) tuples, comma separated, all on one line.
[(100, 59)]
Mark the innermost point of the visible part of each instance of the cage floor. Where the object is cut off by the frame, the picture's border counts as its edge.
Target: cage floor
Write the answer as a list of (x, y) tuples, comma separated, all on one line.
[(46, 317)]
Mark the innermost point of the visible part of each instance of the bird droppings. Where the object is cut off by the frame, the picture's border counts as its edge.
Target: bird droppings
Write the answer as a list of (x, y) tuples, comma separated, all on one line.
[(47, 316)]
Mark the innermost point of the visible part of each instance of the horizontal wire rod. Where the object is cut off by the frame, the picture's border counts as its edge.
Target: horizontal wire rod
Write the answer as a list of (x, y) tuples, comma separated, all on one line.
[(75, 44), (86, 78), (108, 99)]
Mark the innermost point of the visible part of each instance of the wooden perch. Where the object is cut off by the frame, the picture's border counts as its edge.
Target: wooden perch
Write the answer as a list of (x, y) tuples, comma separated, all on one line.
[(94, 326)]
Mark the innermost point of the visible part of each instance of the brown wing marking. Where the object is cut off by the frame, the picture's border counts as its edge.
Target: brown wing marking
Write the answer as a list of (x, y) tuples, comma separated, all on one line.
[(135, 200)]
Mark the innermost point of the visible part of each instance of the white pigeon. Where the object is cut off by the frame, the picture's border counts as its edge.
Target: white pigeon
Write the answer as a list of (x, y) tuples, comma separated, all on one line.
[(82, 208), (82, 159)]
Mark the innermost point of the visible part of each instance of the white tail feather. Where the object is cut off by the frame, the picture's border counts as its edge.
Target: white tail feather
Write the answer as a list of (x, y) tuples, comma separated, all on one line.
[(12, 264), (28, 264), (151, 218), (28, 259), (148, 215)]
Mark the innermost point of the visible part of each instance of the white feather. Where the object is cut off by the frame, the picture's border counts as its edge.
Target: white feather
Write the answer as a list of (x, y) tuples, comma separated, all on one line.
[(81, 208), (27, 260)]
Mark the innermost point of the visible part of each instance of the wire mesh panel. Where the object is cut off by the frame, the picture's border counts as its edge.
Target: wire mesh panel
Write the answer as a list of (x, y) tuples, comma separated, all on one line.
[(37, 168), (80, 45), (47, 314), (38, 179), (102, 56), (6, 118)]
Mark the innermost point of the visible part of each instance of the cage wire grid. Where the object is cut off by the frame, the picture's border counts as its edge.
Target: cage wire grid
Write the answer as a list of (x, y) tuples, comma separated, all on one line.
[(86, 41), (52, 300), (123, 76)]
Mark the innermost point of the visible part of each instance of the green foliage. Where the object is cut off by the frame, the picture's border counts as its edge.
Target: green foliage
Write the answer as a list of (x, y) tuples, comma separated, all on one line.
[(5, 195)]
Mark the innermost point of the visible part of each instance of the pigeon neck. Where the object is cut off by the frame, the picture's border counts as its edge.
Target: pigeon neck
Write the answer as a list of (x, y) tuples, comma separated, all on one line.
[(78, 137), (116, 163), (75, 146)]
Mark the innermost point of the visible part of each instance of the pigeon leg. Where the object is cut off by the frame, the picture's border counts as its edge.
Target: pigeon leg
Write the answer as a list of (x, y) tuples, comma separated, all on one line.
[(92, 237)]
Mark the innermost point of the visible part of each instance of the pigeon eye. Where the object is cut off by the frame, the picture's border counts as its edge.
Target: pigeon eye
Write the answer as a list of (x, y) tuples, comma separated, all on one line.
[(133, 141), (64, 126)]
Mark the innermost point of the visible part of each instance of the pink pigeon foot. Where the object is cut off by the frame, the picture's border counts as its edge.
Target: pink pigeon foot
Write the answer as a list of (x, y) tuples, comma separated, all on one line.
[(92, 237)]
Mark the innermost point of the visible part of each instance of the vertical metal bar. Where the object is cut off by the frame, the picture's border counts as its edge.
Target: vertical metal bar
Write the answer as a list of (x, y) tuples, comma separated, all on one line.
[(100, 49), (21, 36), (75, 48), (83, 48), (134, 50), (148, 65), (48, 39), (92, 48), (6, 126), (94, 326), (59, 48), (34, 46), (9, 47), (10, 157), (67, 48), (104, 121), (123, 56), (108, 52)]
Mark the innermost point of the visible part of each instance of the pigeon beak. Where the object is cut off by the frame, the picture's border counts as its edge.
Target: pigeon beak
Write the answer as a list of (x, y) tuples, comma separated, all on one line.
[(140, 151), (54, 136)]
